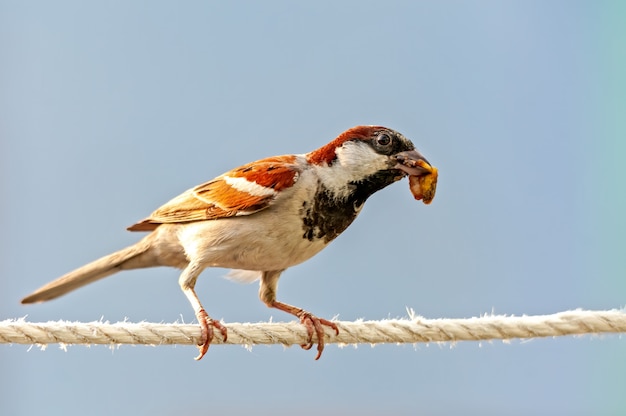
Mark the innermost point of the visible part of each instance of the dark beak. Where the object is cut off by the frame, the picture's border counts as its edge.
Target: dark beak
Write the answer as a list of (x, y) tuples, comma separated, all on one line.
[(413, 163)]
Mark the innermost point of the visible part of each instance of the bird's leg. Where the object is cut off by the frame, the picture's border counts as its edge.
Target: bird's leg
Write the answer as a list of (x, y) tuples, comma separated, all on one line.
[(313, 324), (187, 282), (206, 328)]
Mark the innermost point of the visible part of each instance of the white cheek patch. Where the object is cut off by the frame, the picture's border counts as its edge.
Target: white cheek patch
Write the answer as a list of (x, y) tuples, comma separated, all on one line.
[(355, 161), (361, 158), (252, 188)]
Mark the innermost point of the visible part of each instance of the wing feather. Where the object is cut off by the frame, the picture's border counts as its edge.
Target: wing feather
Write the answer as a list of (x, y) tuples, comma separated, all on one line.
[(241, 191)]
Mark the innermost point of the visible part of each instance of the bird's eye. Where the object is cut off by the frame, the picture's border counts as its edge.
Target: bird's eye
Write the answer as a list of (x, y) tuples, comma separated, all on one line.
[(383, 140)]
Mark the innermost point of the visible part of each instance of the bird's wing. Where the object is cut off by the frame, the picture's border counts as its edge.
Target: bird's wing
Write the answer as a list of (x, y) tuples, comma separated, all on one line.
[(241, 191)]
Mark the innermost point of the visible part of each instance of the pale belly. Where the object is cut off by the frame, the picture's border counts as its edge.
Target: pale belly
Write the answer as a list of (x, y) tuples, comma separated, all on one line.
[(262, 241)]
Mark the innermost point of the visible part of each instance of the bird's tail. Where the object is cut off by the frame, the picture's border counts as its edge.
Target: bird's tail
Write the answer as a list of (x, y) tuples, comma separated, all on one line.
[(133, 257)]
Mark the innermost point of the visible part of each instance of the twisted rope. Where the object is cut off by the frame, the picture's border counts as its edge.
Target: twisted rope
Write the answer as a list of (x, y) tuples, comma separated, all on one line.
[(415, 329)]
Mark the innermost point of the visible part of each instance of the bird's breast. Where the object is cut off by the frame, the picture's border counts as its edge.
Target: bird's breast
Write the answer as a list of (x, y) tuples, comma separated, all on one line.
[(267, 240)]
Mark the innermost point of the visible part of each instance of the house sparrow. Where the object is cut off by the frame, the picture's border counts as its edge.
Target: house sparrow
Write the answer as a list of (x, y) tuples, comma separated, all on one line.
[(261, 218)]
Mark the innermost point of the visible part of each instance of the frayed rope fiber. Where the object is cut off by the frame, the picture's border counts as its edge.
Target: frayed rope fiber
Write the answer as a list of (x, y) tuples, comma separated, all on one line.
[(414, 329)]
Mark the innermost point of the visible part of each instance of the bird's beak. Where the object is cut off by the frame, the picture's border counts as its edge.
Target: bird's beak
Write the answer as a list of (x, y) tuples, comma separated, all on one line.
[(413, 163)]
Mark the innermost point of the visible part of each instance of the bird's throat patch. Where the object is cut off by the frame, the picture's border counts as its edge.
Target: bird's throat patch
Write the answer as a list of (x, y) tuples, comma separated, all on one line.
[(327, 215)]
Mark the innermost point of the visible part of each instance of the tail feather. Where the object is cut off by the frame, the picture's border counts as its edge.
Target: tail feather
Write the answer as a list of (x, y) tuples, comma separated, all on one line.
[(135, 256)]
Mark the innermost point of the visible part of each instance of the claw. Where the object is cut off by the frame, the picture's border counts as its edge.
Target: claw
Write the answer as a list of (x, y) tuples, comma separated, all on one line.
[(315, 324), (312, 323), (206, 332)]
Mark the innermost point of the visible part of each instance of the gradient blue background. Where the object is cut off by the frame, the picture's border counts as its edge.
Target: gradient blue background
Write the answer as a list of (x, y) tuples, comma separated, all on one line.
[(109, 109)]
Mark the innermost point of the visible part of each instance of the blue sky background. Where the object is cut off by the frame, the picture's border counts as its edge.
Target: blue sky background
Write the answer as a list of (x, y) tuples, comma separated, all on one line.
[(109, 109)]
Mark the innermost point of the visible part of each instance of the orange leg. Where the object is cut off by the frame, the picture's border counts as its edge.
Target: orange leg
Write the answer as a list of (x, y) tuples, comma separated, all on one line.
[(187, 281), (312, 323), (206, 328)]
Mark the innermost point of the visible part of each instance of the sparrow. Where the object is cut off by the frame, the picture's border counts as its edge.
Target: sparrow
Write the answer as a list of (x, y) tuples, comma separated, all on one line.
[(260, 219)]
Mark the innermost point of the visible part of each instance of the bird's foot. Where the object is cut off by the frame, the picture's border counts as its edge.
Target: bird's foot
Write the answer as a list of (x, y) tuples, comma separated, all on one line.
[(315, 325), (206, 327)]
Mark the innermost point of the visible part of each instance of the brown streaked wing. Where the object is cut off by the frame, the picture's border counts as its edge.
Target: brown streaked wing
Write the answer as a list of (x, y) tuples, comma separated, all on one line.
[(217, 199)]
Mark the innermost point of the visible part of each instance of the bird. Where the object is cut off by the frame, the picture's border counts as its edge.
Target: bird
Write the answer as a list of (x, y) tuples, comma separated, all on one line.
[(260, 219)]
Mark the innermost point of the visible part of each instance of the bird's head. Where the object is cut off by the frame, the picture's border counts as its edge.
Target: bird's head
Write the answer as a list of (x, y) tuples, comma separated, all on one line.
[(366, 154)]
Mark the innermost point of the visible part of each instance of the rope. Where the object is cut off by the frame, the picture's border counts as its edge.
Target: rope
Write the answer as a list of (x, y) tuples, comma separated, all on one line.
[(414, 329)]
